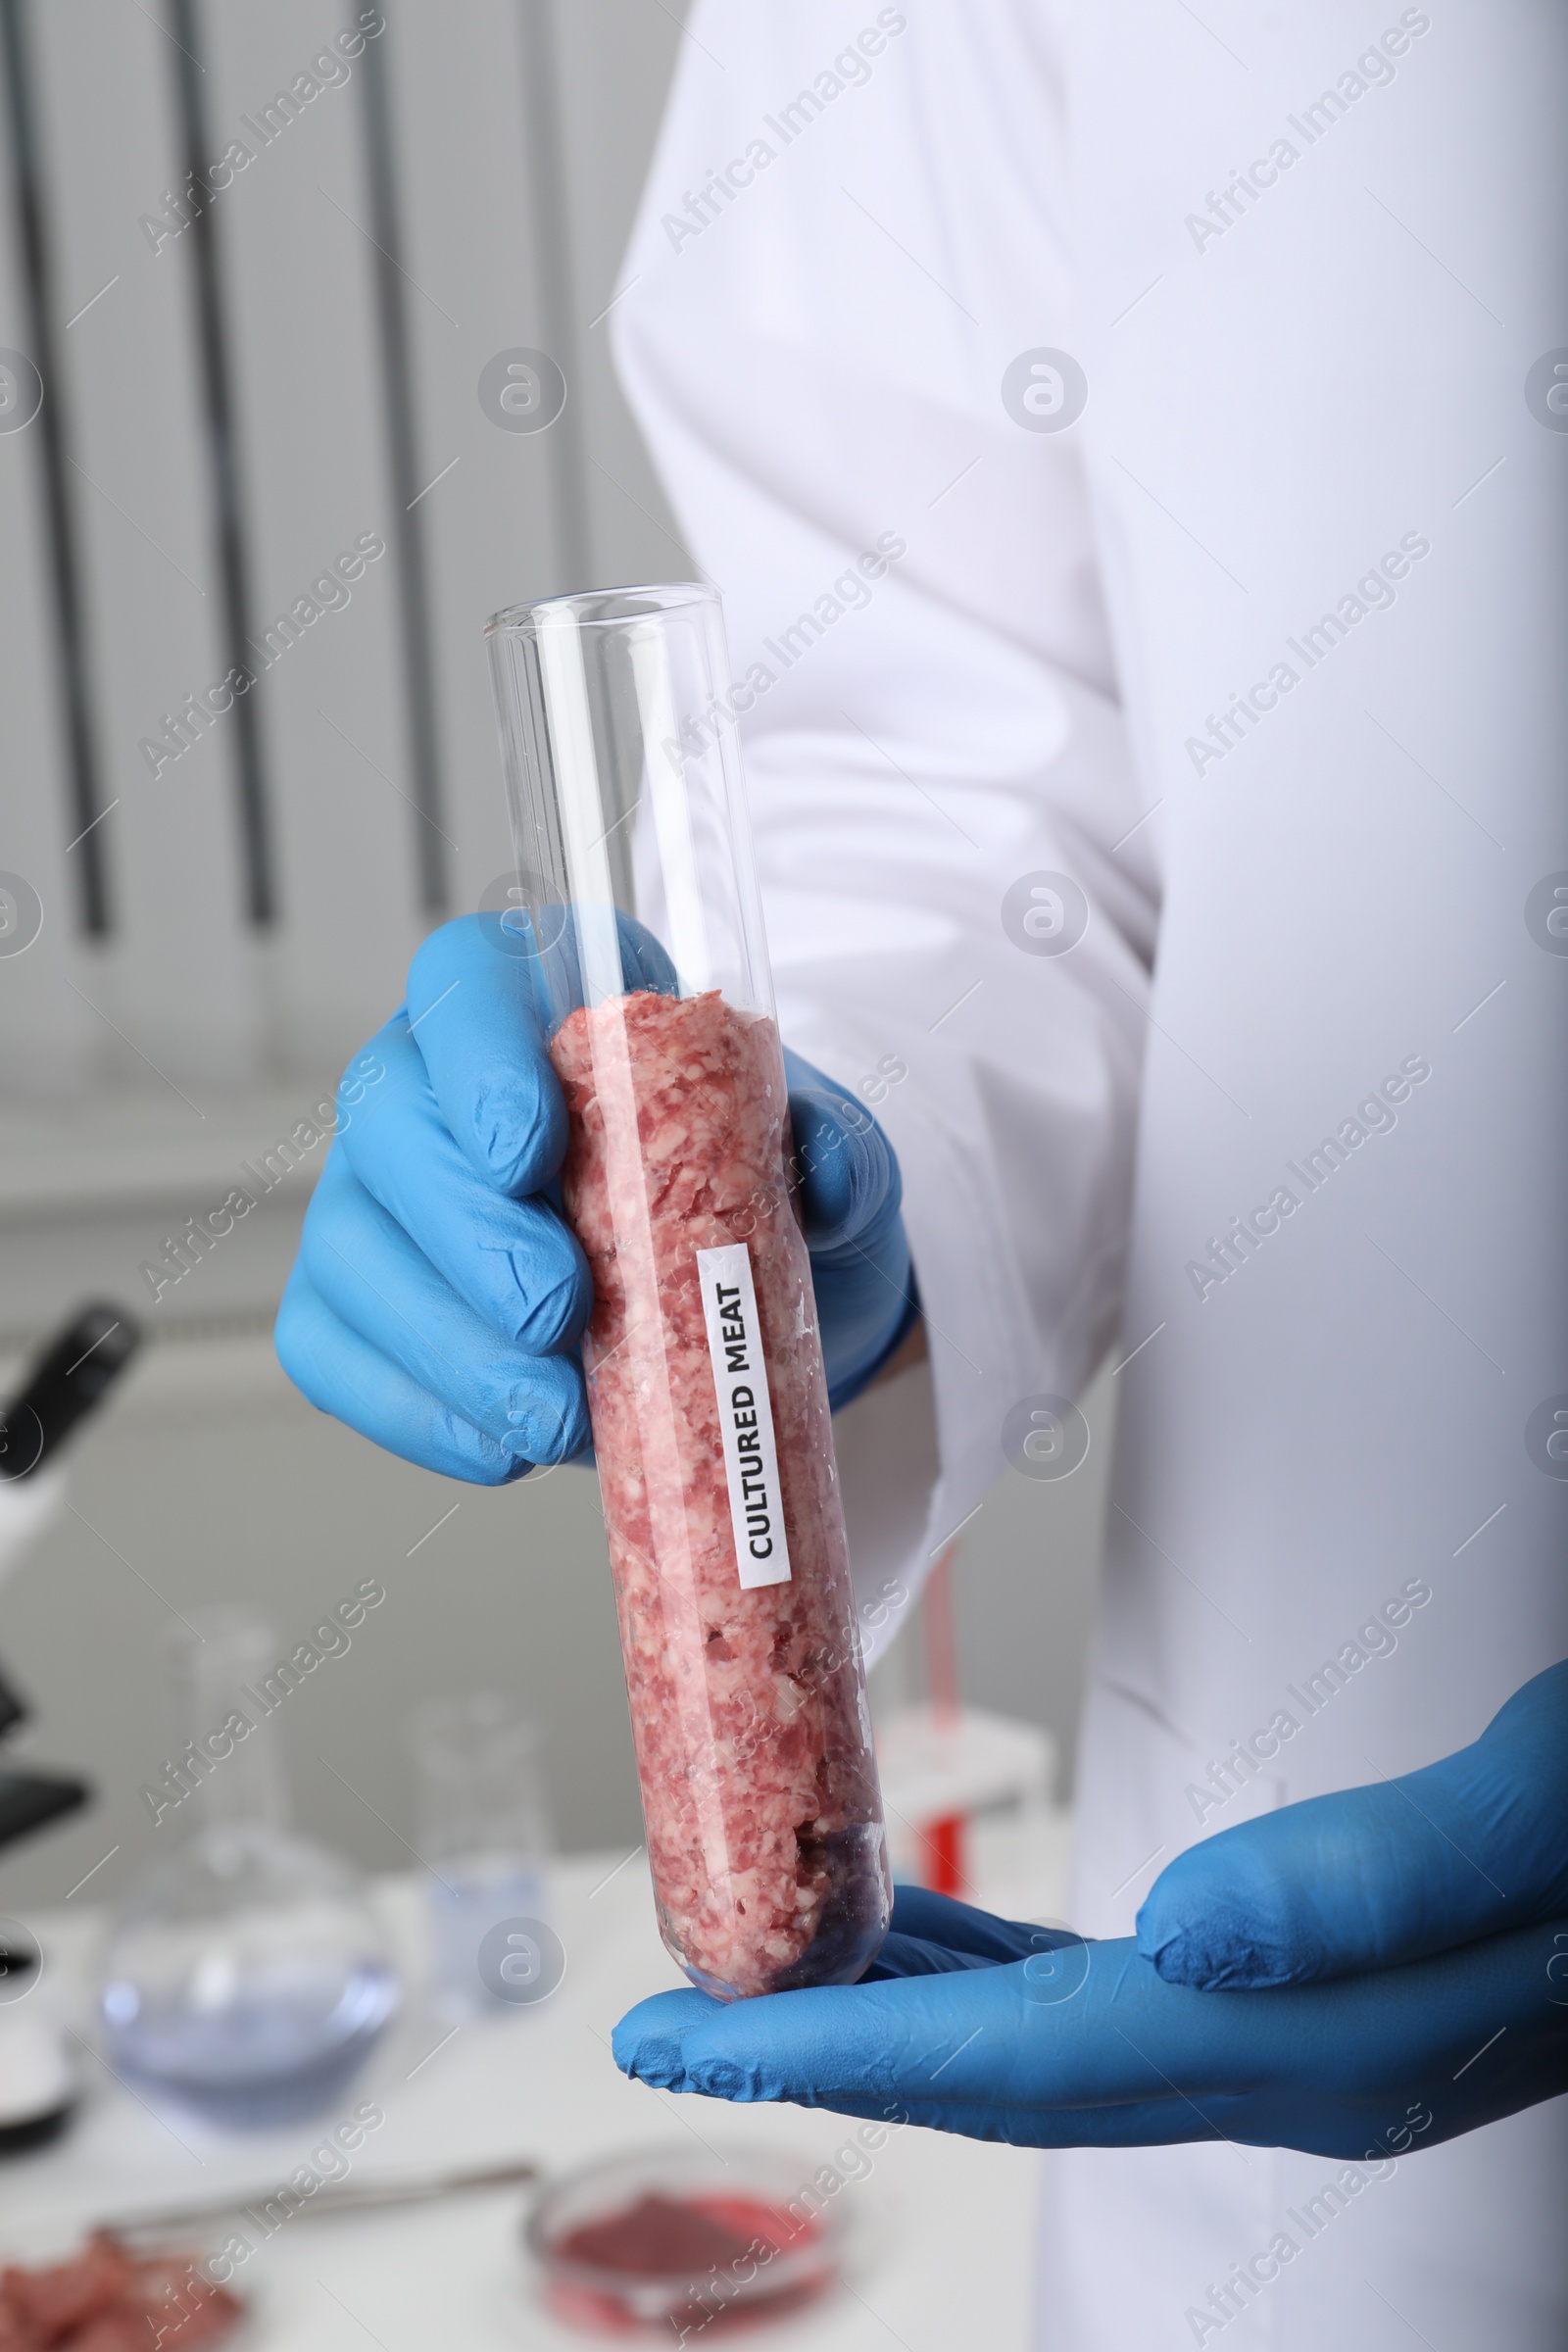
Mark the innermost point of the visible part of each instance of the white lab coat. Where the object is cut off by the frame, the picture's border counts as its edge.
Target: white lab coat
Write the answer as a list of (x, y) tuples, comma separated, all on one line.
[(1306, 397)]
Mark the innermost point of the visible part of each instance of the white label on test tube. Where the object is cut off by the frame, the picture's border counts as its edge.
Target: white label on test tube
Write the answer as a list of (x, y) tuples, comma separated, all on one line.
[(745, 1414)]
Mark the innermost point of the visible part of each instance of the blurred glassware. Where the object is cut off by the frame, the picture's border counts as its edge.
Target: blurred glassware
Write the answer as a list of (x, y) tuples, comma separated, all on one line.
[(482, 1829), (248, 1977)]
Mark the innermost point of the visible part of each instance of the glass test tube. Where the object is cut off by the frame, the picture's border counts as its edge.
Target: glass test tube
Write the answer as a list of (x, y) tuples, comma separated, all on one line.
[(639, 909)]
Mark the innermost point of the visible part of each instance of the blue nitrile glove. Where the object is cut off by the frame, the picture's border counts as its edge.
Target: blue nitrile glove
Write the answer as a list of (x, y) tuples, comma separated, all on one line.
[(438, 1297), (1412, 2035), (851, 1194), (1370, 1878)]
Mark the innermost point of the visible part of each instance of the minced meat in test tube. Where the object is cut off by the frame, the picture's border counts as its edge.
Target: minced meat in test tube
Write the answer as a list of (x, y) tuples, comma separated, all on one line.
[(748, 1705)]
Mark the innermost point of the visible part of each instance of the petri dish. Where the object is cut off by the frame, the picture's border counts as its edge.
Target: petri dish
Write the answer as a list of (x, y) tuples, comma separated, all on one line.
[(662, 2237)]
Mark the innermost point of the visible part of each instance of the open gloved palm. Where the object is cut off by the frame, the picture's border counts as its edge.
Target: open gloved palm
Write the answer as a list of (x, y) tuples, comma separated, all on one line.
[(1362, 1973)]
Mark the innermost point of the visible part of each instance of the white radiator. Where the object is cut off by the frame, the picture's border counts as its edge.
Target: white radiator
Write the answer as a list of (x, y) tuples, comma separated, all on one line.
[(262, 453), (250, 378)]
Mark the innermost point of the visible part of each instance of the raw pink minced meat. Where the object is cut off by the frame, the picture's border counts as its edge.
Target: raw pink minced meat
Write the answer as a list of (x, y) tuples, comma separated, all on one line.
[(748, 1707)]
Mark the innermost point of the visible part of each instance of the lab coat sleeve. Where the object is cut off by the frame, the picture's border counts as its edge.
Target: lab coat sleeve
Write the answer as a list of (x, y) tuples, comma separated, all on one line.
[(815, 349)]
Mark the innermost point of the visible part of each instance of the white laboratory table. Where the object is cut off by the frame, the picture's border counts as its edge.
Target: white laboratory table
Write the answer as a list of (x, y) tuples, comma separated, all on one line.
[(940, 2231)]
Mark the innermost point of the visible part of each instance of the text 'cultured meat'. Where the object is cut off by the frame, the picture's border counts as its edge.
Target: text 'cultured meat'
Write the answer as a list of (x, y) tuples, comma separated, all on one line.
[(714, 1449)]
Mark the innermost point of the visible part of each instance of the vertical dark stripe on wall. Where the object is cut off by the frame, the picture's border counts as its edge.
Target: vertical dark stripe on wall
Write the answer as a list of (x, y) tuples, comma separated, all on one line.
[(256, 835), (397, 375), (547, 178), (65, 571)]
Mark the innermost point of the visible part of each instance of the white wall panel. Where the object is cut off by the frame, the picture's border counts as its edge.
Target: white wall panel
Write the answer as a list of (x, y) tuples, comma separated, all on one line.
[(46, 1038), (177, 978), (494, 523), (298, 290)]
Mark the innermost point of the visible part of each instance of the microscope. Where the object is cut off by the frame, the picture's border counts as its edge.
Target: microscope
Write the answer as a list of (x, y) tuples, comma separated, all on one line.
[(63, 1386)]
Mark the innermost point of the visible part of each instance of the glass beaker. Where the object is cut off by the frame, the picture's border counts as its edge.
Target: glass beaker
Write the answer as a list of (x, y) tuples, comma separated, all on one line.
[(639, 909), (248, 1977), (482, 1829)]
